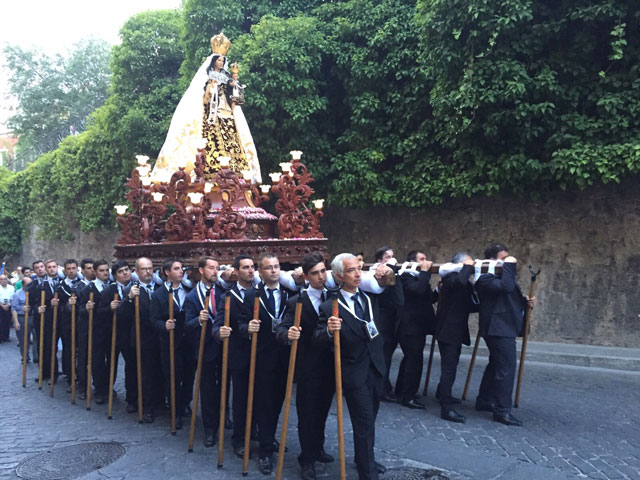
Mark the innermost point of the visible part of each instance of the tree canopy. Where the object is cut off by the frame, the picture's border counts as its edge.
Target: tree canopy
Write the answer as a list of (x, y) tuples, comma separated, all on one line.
[(394, 102)]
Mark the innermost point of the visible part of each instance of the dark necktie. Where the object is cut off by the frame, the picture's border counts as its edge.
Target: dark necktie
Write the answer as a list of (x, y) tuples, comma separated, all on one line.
[(357, 306), (322, 297), (271, 300), (149, 290), (176, 298)]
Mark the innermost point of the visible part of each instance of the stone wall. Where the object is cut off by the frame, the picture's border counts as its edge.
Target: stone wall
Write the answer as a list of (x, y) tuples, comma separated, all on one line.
[(98, 244), (585, 243)]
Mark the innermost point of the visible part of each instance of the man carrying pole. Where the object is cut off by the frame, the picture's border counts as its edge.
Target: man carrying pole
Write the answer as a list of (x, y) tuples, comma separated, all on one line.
[(501, 321), (184, 354), (149, 389), (314, 373), (456, 299), (196, 315), (67, 290), (362, 358)]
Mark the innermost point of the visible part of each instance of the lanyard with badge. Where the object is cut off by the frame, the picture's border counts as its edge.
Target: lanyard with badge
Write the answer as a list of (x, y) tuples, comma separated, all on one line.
[(372, 330), (275, 321)]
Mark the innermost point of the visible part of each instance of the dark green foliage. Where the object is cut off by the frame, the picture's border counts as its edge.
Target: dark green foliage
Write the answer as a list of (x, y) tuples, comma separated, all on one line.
[(393, 102)]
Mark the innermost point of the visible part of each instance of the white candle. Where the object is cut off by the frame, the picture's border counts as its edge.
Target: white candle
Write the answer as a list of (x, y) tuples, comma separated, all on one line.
[(208, 187), (195, 197), (146, 181), (224, 161), (265, 188), (295, 154), (319, 203), (142, 159), (275, 177), (121, 209), (157, 196), (286, 167)]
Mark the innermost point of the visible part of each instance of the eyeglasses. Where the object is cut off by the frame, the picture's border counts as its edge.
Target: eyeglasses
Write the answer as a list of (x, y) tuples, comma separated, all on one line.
[(146, 269)]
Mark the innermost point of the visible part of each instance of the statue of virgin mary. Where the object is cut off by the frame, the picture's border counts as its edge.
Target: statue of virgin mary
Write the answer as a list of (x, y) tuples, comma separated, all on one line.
[(209, 115)]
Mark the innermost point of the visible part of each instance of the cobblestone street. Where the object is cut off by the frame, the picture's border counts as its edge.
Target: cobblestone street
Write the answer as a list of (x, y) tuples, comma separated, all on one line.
[(578, 423)]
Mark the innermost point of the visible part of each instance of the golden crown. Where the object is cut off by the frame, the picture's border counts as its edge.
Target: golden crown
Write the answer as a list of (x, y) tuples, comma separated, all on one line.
[(220, 44), (234, 67)]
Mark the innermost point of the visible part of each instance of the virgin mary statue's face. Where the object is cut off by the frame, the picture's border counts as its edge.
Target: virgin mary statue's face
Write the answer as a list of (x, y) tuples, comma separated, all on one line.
[(219, 63)]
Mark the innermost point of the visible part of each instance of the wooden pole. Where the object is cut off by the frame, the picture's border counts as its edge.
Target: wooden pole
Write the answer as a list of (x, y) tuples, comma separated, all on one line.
[(89, 353), (525, 337), (429, 363), (25, 345), (73, 351), (41, 341), (433, 340), (112, 366), (223, 385), (196, 392), (54, 345), (172, 365), (471, 364), (138, 357), (252, 376), (338, 373), (287, 398)]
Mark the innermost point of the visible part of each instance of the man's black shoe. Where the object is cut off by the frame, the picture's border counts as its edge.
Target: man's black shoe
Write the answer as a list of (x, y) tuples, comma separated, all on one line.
[(415, 404), (308, 471), (324, 457), (484, 407), (209, 437), (99, 399), (148, 417), (453, 416), (239, 451), (179, 422), (380, 468), (131, 408), (507, 419), (68, 388), (456, 400), (266, 466), (389, 398), (82, 396)]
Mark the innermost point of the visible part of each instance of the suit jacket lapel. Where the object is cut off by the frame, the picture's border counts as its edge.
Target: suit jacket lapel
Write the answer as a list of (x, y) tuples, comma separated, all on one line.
[(349, 319)]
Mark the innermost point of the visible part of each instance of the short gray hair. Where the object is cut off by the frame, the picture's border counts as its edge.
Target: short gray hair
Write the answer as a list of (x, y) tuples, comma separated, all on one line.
[(337, 266), (459, 257)]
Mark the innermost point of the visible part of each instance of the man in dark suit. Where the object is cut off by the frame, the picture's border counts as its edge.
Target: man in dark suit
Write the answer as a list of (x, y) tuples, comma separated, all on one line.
[(417, 320), (452, 330), (47, 284), (152, 391), (101, 337), (272, 359), (239, 346), (195, 316), (314, 373), (121, 272), (67, 290), (502, 308), (184, 353), (363, 365)]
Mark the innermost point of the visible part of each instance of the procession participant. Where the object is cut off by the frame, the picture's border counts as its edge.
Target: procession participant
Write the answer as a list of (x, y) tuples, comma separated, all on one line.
[(391, 302), (121, 272), (456, 298), (417, 320), (152, 389), (362, 358), (314, 373), (272, 360), (66, 289), (48, 284), (184, 351), (38, 275), (195, 316), (87, 270), (502, 308), (101, 337), (239, 347), (6, 292), (18, 311)]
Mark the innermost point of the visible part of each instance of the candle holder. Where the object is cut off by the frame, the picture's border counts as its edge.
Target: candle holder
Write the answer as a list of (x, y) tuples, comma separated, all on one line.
[(228, 223), (296, 220)]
